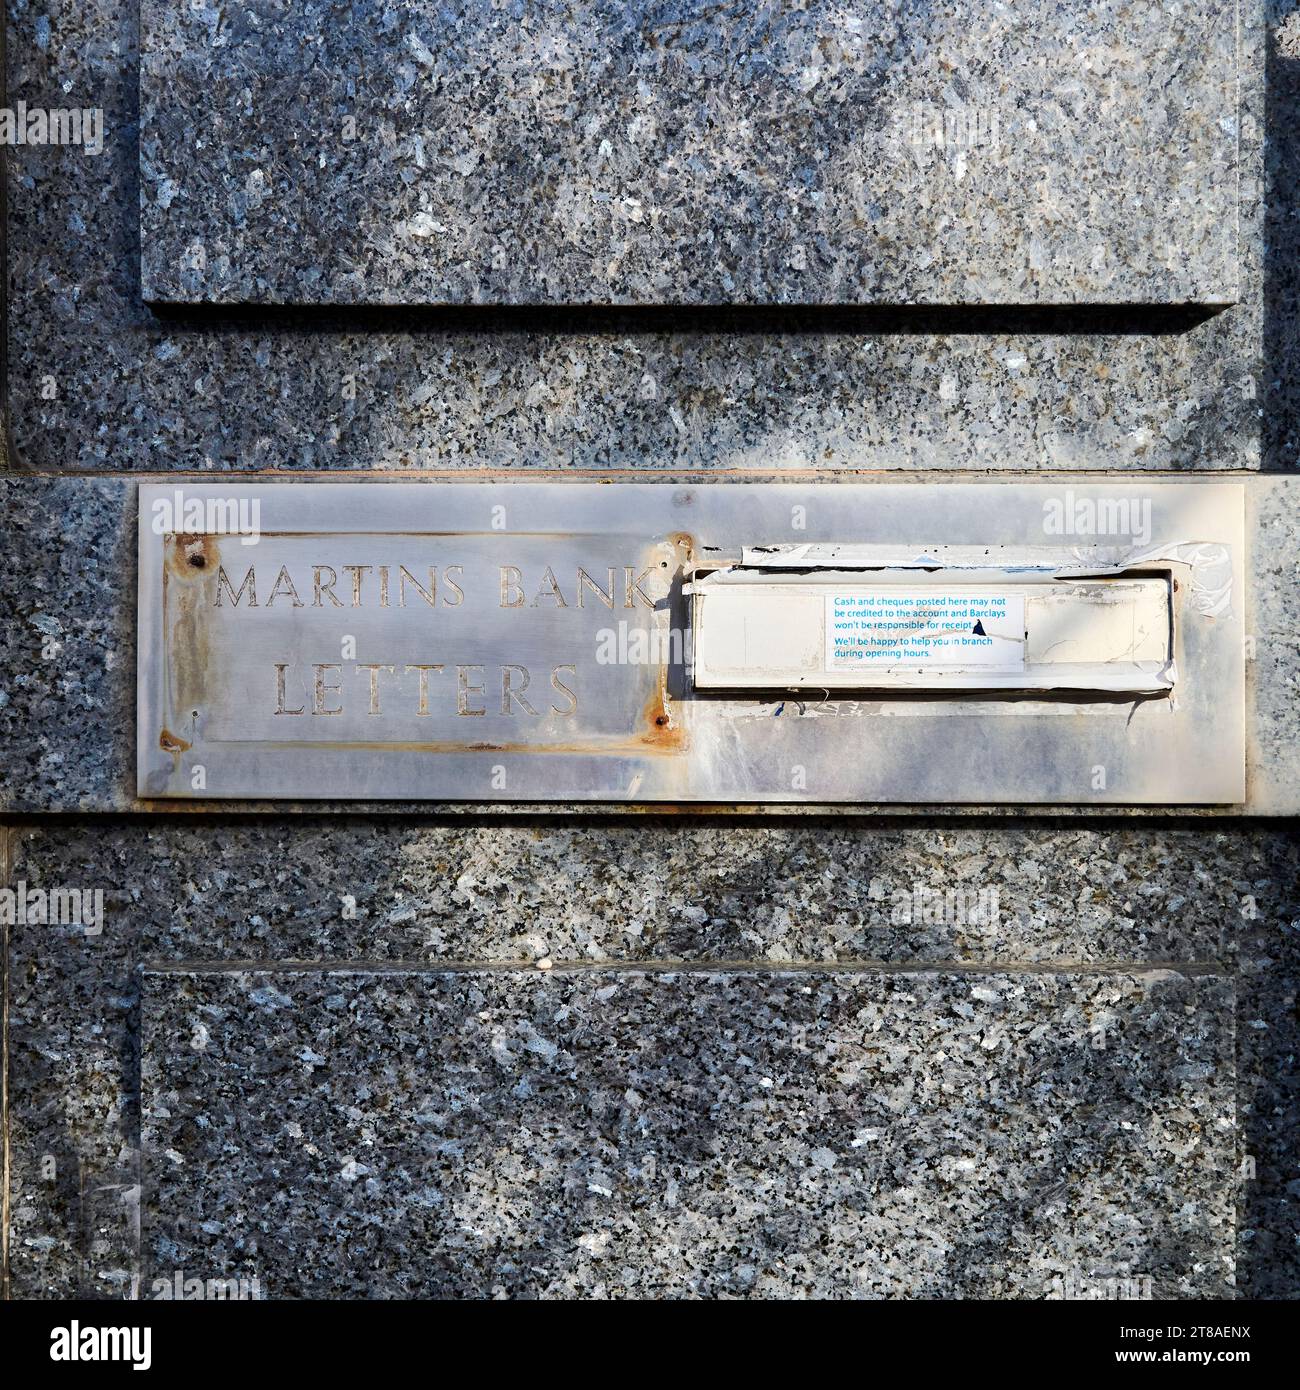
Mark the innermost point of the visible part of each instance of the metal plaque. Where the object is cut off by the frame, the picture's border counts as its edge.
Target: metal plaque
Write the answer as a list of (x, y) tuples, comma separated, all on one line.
[(922, 642)]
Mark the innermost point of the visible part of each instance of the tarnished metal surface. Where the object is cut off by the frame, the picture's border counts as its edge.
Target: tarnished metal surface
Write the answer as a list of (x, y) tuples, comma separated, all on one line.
[(878, 628), (524, 642)]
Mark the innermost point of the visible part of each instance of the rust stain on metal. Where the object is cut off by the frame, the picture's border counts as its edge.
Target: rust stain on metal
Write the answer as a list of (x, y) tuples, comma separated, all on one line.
[(191, 563), (684, 544), (191, 556), (659, 740), (663, 734)]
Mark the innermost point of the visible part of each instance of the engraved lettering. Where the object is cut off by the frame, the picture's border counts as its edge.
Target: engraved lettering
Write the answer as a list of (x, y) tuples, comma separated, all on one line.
[(512, 592), (450, 583), (606, 596), (464, 690), (280, 668), (424, 670), (358, 572), (283, 588), (509, 693), (405, 577), (374, 668), (324, 590), (559, 686), (550, 588), (250, 583), (632, 587), (321, 689)]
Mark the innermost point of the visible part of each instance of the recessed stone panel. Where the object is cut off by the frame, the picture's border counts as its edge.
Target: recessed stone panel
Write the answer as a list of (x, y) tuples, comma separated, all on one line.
[(658, 154), (353, 1133)]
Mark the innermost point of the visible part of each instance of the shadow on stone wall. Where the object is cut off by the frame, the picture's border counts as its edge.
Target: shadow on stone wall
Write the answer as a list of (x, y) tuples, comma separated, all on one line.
[(1268, 1021), (1056, 1137), (1280, 445)]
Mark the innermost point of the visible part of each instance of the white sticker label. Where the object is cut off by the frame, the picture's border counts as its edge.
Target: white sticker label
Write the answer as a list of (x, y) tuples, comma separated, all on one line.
[(885, 628)]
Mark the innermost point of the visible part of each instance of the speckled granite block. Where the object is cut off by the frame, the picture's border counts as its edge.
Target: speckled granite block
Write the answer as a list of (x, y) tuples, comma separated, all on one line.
[(663, 890), (654, 895), (1268, 1088), (655, 153), (67, 644), (135, 390), (1273, 650), (616, 1134), (73, 1118)]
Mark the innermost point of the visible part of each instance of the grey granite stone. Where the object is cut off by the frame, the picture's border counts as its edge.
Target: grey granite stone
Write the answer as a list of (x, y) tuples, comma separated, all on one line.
[(654, 153), (1279, 229), (1273, 650), (73, 1084), (965, 389), (1268, 1085), (619, 1134), (97, 382), (664, 889), (67, 644), (363, 895)]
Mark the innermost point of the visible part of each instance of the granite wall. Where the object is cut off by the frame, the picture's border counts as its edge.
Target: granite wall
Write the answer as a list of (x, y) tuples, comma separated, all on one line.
[(465, 1051)]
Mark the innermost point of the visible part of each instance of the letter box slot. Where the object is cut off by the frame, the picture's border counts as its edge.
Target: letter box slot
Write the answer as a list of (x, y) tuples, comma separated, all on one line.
[(920, 631)]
